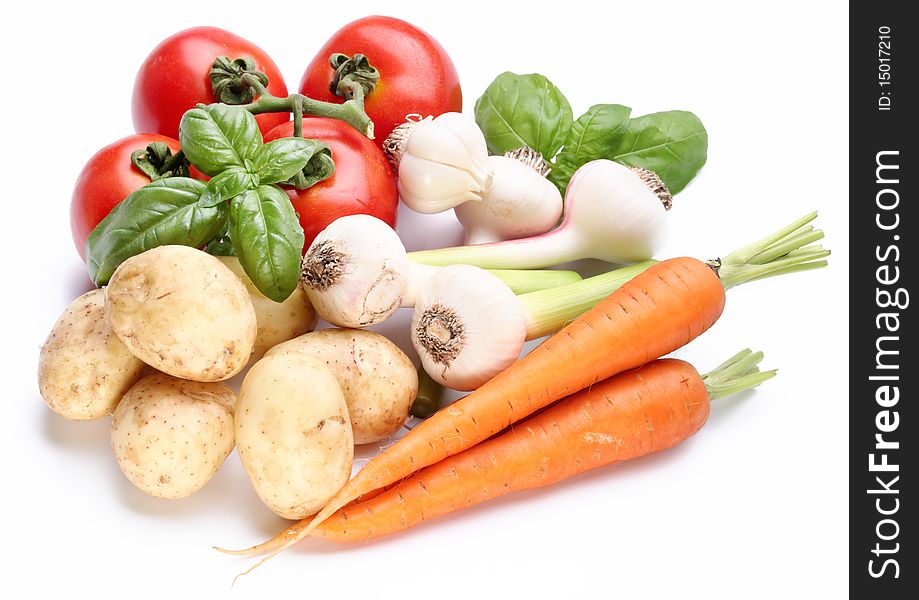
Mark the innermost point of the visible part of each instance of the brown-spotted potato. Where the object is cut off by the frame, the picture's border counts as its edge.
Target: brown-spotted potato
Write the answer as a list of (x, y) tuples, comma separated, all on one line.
[(293, 433), (183, 312), (377, 379), (277, 321), (170, 435), (83, 368)]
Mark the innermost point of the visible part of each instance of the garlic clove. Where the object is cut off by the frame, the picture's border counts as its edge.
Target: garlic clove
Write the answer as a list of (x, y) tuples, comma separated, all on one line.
[(467, 327), (430, 187), (466, 131), (444, 162), (450, 141)]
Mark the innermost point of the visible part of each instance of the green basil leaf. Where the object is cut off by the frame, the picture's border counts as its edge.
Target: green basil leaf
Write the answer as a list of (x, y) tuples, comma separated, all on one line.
[(268, 240), (163, 212), (281, 159), (217, 137), (523, 110), (591, 137), (232, 182), (673, 144)]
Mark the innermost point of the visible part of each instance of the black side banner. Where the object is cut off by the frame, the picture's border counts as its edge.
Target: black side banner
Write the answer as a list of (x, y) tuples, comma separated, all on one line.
[(883, 57)]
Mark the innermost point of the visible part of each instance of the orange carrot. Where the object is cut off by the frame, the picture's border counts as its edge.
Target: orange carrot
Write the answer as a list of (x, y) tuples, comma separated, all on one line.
[(632, 414), (657, 312)]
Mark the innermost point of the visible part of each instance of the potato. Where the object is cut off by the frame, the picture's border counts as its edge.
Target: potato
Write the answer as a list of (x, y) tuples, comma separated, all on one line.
[(170, 435), (182, 312), (83, 368), (277, 321), (378, 380), (293, 433)]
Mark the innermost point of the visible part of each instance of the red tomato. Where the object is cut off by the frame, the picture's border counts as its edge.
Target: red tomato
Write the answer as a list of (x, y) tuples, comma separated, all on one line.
[(363, 182), (416, 75), (174, 78), (108, 178)]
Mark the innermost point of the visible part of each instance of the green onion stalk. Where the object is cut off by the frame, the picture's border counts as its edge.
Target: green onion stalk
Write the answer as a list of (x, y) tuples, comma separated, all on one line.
[(467, 329), (788, 250)]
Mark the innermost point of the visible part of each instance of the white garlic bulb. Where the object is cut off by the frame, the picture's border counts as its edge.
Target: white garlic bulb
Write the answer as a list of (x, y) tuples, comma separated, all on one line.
[(520, 203), (467, 327), (354, 271), (613, 213)]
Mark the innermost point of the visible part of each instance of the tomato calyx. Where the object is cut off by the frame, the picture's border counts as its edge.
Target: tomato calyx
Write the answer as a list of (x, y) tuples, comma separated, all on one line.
[(231, 80), (352, 73), (319, 168), (157, 161)]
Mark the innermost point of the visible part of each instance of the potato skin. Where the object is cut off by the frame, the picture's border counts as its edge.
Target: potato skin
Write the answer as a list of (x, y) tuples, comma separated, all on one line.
[(293, 434), (84, 369), (182, 312), (170, 435), (277, 321), (377, 379)]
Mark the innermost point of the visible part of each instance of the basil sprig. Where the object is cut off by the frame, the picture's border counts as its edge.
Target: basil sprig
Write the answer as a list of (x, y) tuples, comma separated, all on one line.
[(518, 110), (239, 211)]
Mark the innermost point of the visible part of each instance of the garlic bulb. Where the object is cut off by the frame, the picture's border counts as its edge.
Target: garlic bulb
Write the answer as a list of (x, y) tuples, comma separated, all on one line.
[(624, 208), (354, 271), (462, 336), (613, 213), (520, 203), (442, 162)]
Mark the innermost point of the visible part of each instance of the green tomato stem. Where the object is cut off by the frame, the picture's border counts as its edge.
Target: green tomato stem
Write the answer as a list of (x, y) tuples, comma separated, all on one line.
[(350, 72), (353, 91), (298, 119), (351, 111), (157, 161), (229, 79)]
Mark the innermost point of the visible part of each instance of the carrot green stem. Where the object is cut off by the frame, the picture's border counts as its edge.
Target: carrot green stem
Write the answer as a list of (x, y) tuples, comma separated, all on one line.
[(798, 240), (817, 264), (740, 372), (788, 250), (747, 252)]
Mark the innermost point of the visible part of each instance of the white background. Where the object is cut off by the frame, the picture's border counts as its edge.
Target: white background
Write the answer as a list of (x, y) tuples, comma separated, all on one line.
[(755, 506)]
